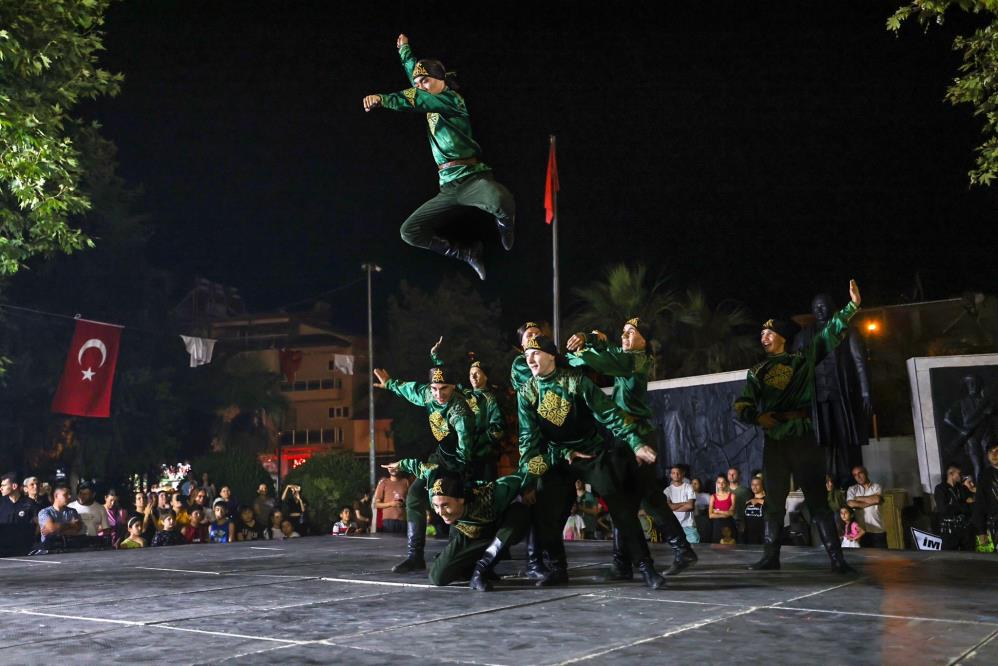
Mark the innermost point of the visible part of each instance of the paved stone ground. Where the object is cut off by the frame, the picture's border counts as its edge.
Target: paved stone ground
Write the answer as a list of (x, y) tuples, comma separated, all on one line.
[(335, 600)]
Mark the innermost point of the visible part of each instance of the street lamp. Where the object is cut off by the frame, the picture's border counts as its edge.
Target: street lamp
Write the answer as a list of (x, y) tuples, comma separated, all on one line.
[(369, 267)]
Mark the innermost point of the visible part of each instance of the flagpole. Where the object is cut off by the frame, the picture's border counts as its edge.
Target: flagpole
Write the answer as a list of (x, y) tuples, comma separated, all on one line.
[(370, 373), (555, 291)]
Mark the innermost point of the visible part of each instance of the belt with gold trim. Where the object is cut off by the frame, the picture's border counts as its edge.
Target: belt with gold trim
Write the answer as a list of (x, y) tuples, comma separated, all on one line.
[(783, 417), (471, 161)]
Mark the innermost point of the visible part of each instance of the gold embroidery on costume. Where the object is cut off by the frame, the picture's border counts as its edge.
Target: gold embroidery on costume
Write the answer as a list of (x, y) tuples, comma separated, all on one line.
[(426, 467), (532, 344), (554, 408), (537, 466), (410, 96), (470, 531), (633, 322), (438, 376), (438, 426), (420, 70), (742, 405), (768, 325), (473, 403), (779, 376), (437, 488), (432, 119)]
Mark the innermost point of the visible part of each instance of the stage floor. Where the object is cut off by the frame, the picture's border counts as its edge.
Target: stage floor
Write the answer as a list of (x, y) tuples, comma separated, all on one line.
[(334, 600)]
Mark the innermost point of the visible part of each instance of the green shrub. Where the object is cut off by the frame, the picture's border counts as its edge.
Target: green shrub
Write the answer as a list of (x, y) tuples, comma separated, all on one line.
[(240, 471), (328, 482)]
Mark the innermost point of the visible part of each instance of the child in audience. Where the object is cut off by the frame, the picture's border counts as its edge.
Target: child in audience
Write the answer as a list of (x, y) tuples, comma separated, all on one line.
[(134, 538), (221, 530), (196, 530), (852, 532), (288, 530), (727, 537), (345, 526), (168, 536), (248, 529)]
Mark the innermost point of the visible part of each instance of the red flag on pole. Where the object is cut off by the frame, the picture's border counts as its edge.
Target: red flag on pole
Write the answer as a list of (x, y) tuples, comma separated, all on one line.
[(551, 186), (85, 387)]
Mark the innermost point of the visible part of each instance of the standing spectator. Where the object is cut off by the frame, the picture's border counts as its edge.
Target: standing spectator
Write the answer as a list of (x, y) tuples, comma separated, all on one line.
[(866, 495), (700, 509), (59, 519), (180, 513), (722, 509), (188, 485), (852, 533), (231, 505), (93, 515), (263, 504), (288, 530), (345, 526), (682, 500), (17, 518), (954, 508), (293, 506), (210, 493), (587, 508), (985, 516), (362, 513), (836, 496), (389, 498), (134, 538), (755, 509), (196, 530), (117, 518), (222, 528), (30, 487), (45, 495), (161, 507), (249, 528), (168, 536), (200, 500), (742, 495)]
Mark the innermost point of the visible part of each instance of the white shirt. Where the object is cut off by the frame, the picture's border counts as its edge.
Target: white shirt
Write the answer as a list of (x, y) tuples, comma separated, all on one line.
[(93, 517), (868, 518), (677, 495)]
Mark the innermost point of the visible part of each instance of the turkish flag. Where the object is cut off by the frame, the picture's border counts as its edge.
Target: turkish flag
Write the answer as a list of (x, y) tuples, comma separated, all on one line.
[(551, 186), (85, 387)]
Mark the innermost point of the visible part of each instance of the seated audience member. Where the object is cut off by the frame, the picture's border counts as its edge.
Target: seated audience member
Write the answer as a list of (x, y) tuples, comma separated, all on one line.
[(263, 504), (209, 489), (274, 531), (59, 519), (134, 538), (161, 507), (755, 506), (722, 509), (288, 530), (196, 530), (345, 526), (199, 499), (169, 535), (700, 510), (985, 516), (293, 506), (954, 506), (247, 528), (92, 514), (180, 512), (727, 536), (851, 531), (222, 529), (231, 505), (865, 497), (682, 500), (117, 518)]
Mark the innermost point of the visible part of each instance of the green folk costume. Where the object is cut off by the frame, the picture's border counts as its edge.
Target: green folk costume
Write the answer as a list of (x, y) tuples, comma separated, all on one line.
[(783, 385), (491, 513), (561, 411), (519, 372), (630, 371), (466, 183)]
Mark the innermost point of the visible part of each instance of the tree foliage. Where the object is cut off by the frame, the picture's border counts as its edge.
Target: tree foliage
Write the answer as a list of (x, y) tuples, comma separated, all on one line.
[(977, 82), (241, 471), (48, 63), (328, 482)]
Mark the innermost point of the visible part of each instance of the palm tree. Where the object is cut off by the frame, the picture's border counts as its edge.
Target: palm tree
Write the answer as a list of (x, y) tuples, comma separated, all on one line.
[(709, 339), (627, 291)]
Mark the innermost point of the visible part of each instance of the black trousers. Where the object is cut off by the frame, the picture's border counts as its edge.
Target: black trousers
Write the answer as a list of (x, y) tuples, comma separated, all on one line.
[(478, 190), (805, 460)]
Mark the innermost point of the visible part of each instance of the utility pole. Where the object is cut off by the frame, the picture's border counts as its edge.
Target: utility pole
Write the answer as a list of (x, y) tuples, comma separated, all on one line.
[(370, 370)]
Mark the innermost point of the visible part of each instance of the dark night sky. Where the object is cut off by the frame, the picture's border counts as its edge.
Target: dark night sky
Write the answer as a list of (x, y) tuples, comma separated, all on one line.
[(763, 150)]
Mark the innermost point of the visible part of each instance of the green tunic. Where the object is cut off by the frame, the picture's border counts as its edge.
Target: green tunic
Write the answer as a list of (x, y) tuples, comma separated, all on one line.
[(785, 382), (490, 424), (519, 372), (447, 120), (629, 369), (562, 409), (452, 426), (486, 504)]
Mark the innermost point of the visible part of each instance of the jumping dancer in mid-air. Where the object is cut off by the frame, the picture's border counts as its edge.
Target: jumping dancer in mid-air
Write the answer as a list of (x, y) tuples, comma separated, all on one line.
[(465, 180)]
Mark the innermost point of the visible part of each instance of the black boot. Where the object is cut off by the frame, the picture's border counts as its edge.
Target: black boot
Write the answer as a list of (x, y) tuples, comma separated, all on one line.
[(771, 546), (535, 561), (684, 555), (416, 542), (652, 577), (470, 254), (483, 573), (558, 570), (620, 565), (830, 540), (506, 232)]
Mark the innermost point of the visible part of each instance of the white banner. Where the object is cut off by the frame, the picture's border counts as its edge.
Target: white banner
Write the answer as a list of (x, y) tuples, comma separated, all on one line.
[(343, 363), (926, 540)]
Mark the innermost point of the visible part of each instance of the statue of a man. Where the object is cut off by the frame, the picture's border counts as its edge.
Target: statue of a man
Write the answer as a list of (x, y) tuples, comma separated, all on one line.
[(974, 419), (841, 408)]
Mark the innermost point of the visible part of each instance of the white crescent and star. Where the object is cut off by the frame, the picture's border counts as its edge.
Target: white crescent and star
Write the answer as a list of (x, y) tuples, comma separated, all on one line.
[(92, 343)]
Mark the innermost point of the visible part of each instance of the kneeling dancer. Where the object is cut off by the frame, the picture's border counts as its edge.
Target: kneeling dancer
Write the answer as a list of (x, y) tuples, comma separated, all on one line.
[(485, 521), (453, 427), (777, 397), (559, 408)]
